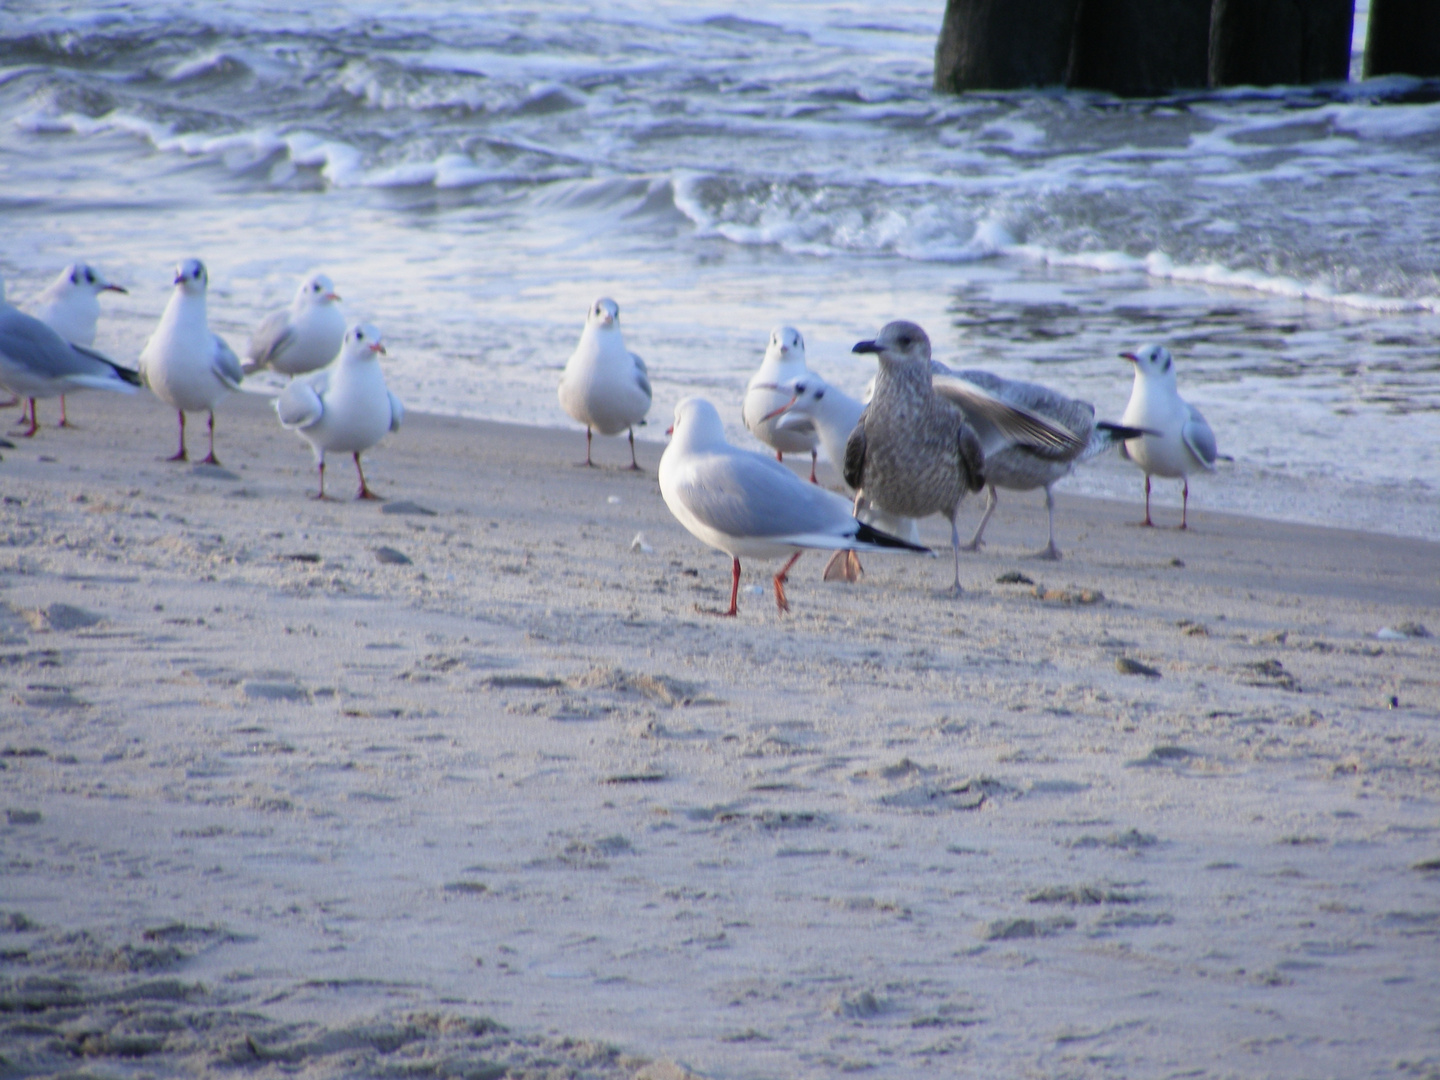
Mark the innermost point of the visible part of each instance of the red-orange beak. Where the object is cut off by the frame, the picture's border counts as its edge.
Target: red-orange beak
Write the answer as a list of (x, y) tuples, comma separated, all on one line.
[(1130, 356)]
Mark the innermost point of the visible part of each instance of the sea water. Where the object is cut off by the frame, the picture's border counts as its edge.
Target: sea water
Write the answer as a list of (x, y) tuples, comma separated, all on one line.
[(474, 176)]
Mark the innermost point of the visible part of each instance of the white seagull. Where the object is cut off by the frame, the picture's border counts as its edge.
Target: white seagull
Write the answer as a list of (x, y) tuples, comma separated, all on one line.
[(346, 408), (186, 365), (606, 387), (784, 362), (70, 306), (302, 338), (37, 362), (744, 504), (829, 412), (1177, 440)]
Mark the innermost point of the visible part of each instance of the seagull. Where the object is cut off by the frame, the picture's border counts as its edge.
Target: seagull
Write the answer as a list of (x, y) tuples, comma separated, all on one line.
[(784, 362), (186, 365), (605, 386), (70, 306), (345, 408), (744, 504), (1177, 440), (913, 453), (303, 338), (37, 362), (1024, 466), (815, 405)]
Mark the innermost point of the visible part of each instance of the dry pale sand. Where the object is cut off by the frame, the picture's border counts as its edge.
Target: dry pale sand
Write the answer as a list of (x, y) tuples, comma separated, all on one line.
[(514, 807)]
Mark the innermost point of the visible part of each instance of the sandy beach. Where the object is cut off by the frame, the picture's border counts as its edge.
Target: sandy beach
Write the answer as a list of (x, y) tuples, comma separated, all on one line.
[(499, 801)]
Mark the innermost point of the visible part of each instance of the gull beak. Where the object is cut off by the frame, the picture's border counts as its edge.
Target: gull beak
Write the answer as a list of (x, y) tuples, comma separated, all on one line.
[(865, 346), (1130, 356), (332, 296), (178, 279), (378, 347), (670, 430), (114, 288), (783, 408)]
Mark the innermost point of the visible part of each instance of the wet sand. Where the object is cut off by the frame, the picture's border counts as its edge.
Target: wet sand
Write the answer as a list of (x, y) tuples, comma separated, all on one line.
[(508, 804)]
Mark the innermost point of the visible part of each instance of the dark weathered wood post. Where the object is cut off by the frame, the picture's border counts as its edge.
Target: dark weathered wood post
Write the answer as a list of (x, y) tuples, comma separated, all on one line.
[(1268, 42), (1404, 38), (1003, 44), (1141, 47)]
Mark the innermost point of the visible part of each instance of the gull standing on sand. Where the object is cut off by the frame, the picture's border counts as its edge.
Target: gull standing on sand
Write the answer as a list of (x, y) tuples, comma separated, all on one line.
[(302, 338), (1177, 440), (605, 386), (36, 362), (815, 405), (185, 364), (70, 306), (1024, 466), (784, 362), (742, 503), (346, 408), (913, 453)]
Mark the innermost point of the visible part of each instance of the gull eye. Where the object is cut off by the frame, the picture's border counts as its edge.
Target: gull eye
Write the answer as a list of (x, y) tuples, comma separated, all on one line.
[(819, 394)]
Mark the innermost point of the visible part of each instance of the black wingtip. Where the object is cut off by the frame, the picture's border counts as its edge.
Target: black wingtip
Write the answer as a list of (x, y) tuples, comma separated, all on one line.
[(1121, 433), (130, 375), (871, 535)]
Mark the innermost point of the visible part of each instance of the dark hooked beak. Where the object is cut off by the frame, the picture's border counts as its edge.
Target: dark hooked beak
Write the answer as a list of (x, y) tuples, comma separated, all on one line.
[(115, 288), (866, 346)]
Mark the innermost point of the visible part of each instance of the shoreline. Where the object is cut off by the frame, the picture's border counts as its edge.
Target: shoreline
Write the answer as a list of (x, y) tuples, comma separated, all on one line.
[(519, 777)]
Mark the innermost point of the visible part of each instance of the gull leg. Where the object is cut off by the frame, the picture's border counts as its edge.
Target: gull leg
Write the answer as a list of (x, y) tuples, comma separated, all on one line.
[(180, 454), (365, 492), (321, 466), (34, 423), (210, 458), (955, 589), (64, 420), (992, 500), (779, 457), (843, 566), (1051, 551), (587, 463), (1184, 500), (634, 465), (1147, 520), (780, 601), (814, 457)]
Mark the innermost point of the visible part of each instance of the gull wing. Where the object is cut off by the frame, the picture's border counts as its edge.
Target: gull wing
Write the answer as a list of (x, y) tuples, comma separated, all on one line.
[(854, 465), (1199, 438), (269, 340), (642, 375), (747, 495), (299, 404), (397, 411), (1000, 424), (225, 364)]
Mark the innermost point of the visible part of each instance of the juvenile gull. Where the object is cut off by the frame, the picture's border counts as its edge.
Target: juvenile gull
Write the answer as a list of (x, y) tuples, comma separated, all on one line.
[(605, 386), (813, 404), (70, 306), (186, 365), (913, 454), (1023, 466), (36, 362), (302, 338), (784, 362), (744, 504), (1177, 440), (347, 407)]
